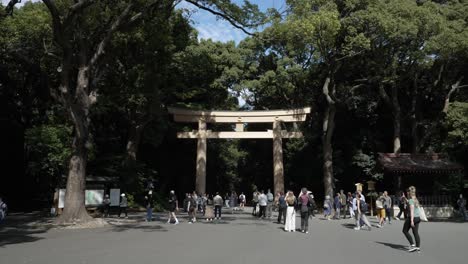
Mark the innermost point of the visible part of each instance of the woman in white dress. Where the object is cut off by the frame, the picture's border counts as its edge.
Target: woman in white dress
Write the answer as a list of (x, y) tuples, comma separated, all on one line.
[(290, 223)]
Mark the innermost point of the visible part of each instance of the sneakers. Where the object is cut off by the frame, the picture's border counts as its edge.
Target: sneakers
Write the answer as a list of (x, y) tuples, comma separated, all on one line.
[(176, 223), (357, 228), (307, 232), (413, 249)]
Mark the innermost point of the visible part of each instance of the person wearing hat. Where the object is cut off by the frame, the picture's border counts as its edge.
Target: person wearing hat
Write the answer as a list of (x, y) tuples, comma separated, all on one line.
[(106, 205), (123, 205)]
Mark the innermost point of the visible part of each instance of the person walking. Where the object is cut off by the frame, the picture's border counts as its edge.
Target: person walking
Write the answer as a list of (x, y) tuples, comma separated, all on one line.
[(123, 205), (282, 207), (218, 204), (262, 202), (344, 204), (269, 208), (209, 213), (173, 207), (379, 205), (412, 222), (313, 205), (388, 207), (3, 209), (149, 208), (242, 200), (461, 202), (337, 203), (349, 201), (304, 205), (191, 208), (106, 205), (290, 222), (254, 203), (402, 203), (360, 209), (327, 207), (227, 198)]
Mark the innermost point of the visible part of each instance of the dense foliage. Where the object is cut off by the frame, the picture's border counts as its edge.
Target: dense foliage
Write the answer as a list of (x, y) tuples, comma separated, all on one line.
[(380, 76)]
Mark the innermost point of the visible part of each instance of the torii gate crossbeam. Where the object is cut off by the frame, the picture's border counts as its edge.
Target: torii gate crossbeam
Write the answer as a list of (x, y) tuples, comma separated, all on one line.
[(239, 118)]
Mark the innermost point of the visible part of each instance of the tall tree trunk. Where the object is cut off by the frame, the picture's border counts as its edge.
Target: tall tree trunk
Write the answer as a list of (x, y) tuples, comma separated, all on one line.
[(414, 114), (327, 135), (394, 105)]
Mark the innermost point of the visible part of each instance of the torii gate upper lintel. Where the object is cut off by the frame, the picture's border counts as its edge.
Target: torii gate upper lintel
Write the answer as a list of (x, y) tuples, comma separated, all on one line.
[(239, 118)]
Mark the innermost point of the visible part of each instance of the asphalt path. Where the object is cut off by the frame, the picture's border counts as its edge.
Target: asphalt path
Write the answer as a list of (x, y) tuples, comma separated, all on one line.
[(237, 238)]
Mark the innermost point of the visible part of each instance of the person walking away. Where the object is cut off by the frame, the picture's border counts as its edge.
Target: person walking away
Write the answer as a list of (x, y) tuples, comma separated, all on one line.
[(106, 205), (282, 207), (304, 204), (461, 202), (204, 202), (313, 205), (227, 198), (360, 206), (388, 207), (412, 222), (344, 204), (262, 202), (290, 222), (327, 207), (149, 208), (218, 204), (3, 210), (123, 205), (254, 203), (191, 209), (402, 203), (337, 204), (379, 205), (233, 201), (173, 207), (242, 201), (269, 208), (349, 201)]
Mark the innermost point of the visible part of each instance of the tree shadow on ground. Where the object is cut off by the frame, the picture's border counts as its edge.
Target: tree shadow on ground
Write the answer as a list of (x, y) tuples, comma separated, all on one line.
[(23, 228), (394, 246)]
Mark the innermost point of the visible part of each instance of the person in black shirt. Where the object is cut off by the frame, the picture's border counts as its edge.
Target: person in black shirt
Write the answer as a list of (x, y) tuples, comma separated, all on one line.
[(173, 207), (149, 208)]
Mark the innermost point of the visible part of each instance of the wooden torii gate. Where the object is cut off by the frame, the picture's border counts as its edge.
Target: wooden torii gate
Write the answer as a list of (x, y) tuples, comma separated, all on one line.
[(239, 118)]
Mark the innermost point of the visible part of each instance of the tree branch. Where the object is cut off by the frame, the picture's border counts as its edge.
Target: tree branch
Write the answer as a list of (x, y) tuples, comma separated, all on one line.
[(454, 88), (56, 21), (114, 27), (11, 6), (223, 15)]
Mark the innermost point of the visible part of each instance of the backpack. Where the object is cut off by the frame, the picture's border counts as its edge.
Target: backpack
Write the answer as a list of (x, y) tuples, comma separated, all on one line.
[(378, 204), (363, 206)]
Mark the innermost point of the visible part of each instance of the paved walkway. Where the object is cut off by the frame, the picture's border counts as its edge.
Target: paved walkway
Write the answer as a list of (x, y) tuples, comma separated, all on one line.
[(235, 239)]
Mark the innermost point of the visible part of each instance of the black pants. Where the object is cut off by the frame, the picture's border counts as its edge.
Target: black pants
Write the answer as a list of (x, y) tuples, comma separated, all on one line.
[(281, 213), (217, 210), (123, 209), (402, 211), (388, 213), (407, 226), (305, 220), (106, 210), (254, 208), (262, 211)]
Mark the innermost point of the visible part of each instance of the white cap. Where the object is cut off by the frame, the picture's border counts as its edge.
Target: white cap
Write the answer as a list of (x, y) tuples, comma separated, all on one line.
[(123, 195)]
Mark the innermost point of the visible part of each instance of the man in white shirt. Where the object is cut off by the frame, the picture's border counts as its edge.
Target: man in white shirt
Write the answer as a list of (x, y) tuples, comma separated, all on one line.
[(262, 202)]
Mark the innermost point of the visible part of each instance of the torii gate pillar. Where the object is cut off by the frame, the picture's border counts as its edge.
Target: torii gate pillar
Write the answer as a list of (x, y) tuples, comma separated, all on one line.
[(200, 180), (278, 170)]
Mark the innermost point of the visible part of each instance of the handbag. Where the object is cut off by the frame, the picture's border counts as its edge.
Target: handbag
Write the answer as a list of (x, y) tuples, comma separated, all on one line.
[(422, 214)]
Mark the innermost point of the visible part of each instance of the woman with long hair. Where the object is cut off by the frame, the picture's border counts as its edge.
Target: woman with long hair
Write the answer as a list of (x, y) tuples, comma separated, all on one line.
[(290, 223), (412, 222)]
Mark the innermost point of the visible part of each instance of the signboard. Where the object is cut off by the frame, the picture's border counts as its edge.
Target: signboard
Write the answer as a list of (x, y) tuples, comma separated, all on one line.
[(115, 197), (61, 202), (94, 197)]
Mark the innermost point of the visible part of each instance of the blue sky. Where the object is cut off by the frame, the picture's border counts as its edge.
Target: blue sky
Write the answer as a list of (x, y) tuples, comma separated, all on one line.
[(209, 27)]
